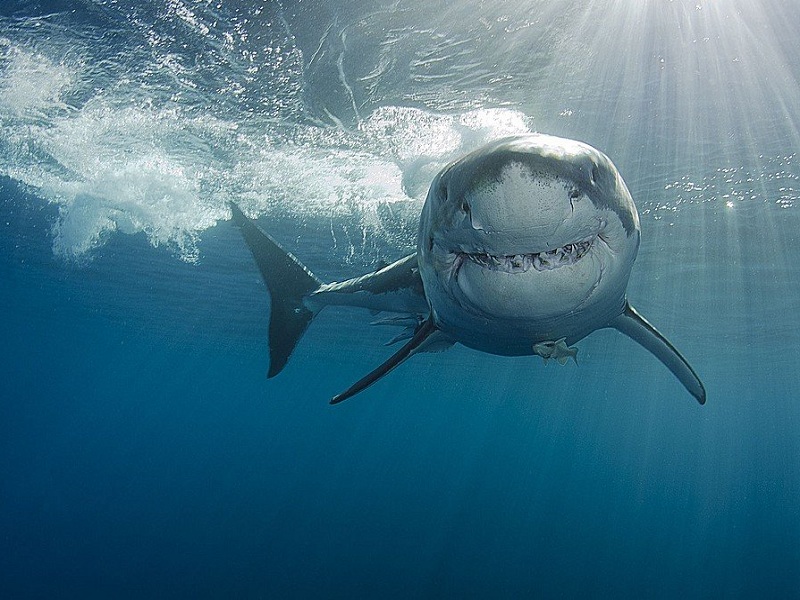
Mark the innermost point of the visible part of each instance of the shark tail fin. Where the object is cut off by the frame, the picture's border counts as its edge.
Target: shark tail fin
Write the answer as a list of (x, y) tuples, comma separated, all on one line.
[(288, 282)]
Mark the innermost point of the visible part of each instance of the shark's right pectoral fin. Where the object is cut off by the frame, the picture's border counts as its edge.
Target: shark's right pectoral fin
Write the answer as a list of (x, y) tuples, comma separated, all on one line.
[(423, 332), (636, 327)]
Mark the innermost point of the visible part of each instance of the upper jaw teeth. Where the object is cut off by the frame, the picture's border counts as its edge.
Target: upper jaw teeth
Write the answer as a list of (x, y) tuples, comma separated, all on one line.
[(541, 261)]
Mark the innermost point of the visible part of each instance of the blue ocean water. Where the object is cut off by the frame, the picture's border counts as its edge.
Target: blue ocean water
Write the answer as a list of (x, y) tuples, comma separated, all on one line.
[(144, 453)]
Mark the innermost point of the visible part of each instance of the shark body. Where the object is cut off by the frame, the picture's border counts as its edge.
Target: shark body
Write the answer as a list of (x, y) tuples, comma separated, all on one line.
[(525, 246)]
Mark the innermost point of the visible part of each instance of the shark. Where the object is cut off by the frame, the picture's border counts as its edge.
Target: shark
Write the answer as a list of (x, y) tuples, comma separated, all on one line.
[(525, 246)]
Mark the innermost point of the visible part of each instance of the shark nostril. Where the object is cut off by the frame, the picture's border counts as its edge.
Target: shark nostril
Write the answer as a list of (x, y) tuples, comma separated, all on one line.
[(473, 222)]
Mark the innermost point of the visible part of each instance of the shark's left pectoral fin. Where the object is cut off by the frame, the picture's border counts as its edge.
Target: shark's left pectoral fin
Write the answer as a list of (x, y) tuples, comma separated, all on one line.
[(632, 324), (423, 332)]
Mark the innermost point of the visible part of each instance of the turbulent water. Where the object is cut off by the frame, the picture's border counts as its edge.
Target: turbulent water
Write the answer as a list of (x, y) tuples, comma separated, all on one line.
[(143, 452)]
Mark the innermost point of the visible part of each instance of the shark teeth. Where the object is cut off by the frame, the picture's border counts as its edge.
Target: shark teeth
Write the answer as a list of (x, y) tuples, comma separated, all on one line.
[(541, 261)]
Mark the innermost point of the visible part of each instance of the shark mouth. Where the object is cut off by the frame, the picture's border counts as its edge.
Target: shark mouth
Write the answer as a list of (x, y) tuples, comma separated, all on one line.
[(519, 263)]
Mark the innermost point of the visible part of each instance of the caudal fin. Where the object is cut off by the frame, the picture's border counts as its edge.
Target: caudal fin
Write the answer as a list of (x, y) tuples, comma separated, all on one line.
[(288, 282)]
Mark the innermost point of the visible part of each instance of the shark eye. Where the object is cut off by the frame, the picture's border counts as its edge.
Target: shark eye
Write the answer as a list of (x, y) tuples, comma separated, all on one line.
[(465, 207), (595, 173), (442, 191)]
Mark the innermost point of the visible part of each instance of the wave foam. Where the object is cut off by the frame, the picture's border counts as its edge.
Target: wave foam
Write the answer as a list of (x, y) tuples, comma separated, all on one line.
[(117, 166)]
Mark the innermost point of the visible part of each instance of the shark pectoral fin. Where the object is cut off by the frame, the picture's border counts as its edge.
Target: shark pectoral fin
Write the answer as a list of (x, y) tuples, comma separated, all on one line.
[(423, 332), (633, 325)]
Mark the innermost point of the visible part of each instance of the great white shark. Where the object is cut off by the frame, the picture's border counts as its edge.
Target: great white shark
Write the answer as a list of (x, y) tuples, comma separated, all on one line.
[(525, 246)]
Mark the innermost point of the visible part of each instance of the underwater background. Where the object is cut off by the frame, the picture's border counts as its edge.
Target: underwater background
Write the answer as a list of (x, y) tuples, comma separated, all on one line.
[(144, 453)]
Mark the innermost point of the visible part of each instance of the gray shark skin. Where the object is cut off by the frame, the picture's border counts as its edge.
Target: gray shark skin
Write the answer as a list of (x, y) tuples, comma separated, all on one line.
[(525, 247)]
